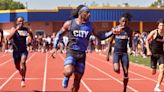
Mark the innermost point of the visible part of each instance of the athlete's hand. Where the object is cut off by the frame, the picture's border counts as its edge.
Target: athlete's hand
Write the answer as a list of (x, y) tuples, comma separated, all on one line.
[(117, 30), (53, 51), (18, 26), (149, 53), (130, 51)]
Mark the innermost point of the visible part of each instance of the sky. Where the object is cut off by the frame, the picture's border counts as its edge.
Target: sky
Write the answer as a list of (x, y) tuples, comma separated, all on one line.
[(52, 4)]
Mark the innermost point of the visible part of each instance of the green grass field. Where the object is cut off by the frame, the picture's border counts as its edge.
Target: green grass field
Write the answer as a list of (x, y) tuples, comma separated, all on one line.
[(140, 60)]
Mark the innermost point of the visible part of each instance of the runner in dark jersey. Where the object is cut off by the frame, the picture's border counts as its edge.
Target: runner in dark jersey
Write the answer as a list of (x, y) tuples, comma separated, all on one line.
[(155, 50), (18, 37), (79, 31), (120, 48), (1, 39)]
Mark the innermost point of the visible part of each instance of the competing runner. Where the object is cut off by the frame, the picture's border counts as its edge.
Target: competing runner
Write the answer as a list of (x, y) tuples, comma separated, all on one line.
[(79, 31), (18, 38), (1, 39), (120, 48), (155, 50)]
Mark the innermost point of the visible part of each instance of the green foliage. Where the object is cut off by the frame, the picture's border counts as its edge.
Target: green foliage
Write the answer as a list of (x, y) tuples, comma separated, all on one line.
[(140, 60), (157, 3), (94, 4), (10, 5)]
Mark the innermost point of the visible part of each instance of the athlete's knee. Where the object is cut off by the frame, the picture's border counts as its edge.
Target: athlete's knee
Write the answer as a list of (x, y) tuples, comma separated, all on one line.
[(17, 67), (23, 63), (161, 68), (116, 69), (68, 71)]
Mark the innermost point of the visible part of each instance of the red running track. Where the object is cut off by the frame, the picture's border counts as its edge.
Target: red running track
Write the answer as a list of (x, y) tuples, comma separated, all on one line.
[(45, 74)]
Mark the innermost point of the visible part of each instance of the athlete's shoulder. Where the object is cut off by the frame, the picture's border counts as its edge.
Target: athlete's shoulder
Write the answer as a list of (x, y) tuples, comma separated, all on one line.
[(153, 31), (68, 23)]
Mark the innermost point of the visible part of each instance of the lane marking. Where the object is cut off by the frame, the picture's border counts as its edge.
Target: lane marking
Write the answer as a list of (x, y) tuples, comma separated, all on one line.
[(88, 79), (85, 85), (140, 75), (6, 62), (98, 69), (13, 75), (45, 75)]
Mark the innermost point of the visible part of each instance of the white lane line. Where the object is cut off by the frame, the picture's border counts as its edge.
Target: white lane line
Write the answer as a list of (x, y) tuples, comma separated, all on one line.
[(21, 78), (88, 79), (45, 75), (6, 62), (142, 66), (13, 75), (132, 72), (110, 76), (85, 85)]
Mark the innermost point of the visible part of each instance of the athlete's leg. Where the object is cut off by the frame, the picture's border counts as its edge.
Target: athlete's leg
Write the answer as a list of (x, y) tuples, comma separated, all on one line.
[(79, 71), (116, 64), (23, 67), (160, 77), (153, 64), (68, 69), (76, 84), (17, 63), (125, 66), (161, 72), (17, 59)]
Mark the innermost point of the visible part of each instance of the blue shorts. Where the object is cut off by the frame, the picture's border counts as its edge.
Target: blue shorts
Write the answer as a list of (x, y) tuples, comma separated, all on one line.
[(18, 54), (77, 59), (123, 57)]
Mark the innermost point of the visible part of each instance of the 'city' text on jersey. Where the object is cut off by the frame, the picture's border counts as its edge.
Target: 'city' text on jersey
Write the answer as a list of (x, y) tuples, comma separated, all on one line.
[(80, 33)]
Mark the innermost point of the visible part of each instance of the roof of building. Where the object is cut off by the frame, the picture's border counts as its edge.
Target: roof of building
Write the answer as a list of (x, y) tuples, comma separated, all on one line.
[(97, 14)]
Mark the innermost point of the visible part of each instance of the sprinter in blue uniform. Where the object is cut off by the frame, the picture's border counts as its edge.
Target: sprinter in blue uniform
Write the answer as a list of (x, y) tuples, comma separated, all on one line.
[(79, 31), (154, 45), (120, 48), (18, 39)]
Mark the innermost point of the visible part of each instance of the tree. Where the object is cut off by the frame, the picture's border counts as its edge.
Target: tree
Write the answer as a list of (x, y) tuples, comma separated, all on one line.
[(94, 4), (10, 5), (105, 4), (157, 3)]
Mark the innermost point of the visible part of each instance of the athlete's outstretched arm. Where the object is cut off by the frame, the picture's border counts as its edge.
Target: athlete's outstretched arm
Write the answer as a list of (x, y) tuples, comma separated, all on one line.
[(60, 33), (102, 35), (58, 36)]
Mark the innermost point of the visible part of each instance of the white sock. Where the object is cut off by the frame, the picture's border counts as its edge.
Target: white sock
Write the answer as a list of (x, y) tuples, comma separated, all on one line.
[(157, 85)]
